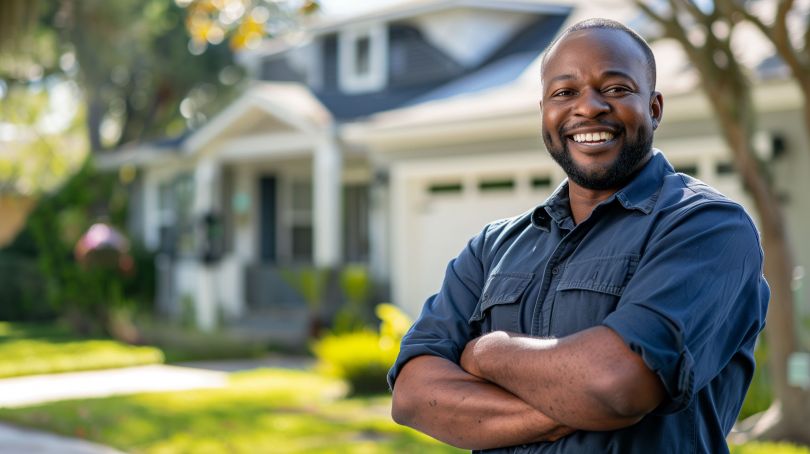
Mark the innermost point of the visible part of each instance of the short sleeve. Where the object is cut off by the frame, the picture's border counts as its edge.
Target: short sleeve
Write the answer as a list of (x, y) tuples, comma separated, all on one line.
[(443, 328), (697, 297)]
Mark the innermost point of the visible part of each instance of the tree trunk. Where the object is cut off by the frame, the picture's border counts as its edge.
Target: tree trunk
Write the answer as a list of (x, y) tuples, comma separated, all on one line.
[(787, 418), (95, 115)]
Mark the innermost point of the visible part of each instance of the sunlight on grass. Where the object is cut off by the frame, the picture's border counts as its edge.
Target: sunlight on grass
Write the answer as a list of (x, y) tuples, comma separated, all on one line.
[(269, 410), (28, 349), (757, 447)]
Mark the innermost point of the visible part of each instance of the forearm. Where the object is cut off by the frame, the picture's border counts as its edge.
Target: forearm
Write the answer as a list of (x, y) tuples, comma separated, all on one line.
[(589, 380), (437, 397)]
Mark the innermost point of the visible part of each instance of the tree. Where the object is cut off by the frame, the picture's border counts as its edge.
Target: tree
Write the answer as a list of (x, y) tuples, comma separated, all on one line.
[(793, 50), (728, 89), (136, 69)]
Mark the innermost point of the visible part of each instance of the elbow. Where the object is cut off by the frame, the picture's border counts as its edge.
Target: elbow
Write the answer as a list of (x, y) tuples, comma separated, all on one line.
[(628, 396), (401, 410)]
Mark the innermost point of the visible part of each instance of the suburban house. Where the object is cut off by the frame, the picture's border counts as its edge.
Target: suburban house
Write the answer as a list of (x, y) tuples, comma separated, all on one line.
[(389, 139)]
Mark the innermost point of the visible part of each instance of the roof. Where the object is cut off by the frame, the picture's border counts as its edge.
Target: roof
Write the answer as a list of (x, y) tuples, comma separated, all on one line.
[(403, 10)]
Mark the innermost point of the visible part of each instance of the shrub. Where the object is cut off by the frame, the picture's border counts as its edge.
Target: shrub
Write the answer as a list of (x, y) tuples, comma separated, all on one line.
[(759, 396), (363, 358), (757, 447)]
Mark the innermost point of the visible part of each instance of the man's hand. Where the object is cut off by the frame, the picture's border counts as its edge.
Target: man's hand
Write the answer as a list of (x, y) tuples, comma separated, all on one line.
[(590, 380)]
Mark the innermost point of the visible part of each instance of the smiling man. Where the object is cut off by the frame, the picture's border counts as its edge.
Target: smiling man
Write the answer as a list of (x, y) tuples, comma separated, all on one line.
[(618, 316)]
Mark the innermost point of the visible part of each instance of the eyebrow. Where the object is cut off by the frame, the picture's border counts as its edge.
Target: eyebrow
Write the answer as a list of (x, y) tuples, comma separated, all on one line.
[(607, 73)]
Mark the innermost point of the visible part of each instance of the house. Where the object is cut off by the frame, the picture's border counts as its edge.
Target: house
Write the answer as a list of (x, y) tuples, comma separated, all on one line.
[(388, 139)]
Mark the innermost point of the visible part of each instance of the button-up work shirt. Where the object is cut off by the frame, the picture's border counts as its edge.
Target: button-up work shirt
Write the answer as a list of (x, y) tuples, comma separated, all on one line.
[(668, 263)]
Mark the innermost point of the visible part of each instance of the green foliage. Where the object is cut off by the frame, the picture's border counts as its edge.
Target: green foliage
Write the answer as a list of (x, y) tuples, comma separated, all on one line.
[(27, 349), (760, 395), (261, 411), (131, 58), (363, 358), (311, 282), (21, 282), (86, 295), (757, 447), (355, 282)]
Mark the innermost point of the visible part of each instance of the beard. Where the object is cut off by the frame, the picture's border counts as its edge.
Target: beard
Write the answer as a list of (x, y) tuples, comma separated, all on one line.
[(613, 175)]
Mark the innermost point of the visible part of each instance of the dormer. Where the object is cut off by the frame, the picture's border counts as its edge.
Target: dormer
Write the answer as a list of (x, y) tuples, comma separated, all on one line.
[(362, 60)]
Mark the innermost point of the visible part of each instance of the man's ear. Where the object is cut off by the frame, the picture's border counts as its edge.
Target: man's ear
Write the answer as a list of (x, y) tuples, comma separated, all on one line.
[(656, 109)]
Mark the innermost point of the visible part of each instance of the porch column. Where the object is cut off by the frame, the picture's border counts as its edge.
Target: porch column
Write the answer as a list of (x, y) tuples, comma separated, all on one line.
[(206, 190), (327, 193)]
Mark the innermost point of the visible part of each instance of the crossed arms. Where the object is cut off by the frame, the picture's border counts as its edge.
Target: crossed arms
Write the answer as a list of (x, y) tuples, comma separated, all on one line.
[(512, 389)]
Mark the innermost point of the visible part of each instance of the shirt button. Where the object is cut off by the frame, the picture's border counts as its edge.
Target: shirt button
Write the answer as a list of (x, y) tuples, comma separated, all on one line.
[(555, 270)]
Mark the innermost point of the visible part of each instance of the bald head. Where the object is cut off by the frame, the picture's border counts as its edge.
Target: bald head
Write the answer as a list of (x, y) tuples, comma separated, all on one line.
[(606, 24)]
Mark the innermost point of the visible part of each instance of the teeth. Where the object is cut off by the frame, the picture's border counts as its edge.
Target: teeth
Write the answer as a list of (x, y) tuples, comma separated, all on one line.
[(593, 137)]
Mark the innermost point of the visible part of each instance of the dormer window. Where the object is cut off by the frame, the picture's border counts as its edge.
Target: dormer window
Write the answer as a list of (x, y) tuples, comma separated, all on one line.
[(362, 59)]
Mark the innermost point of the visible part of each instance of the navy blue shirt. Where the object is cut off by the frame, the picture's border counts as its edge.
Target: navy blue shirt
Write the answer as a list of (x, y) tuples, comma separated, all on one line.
[(668, 263)]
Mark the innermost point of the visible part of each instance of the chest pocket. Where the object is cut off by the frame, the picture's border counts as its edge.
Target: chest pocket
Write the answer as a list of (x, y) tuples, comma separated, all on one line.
[(499, 306), (588, 291)]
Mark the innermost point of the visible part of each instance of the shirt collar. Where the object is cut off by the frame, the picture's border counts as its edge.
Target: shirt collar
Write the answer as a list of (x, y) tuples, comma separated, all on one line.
[(639, 194)]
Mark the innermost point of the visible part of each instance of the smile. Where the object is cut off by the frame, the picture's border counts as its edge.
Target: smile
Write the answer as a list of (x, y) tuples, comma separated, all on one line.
[(593, 138)]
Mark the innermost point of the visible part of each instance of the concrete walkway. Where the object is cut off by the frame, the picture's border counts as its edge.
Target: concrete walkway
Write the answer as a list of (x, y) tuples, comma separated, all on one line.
[(31, 390)]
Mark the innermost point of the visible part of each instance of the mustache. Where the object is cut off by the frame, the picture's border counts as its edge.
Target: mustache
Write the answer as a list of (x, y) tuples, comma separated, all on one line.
[(564, 130)]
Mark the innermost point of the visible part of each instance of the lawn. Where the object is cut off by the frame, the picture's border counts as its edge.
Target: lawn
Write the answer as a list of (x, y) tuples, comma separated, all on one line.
[(27, 349), (269, 410)]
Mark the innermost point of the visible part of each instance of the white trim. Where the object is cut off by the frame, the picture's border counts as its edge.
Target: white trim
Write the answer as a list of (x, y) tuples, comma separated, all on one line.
[(289, 103), (349, 80), (266, 146)]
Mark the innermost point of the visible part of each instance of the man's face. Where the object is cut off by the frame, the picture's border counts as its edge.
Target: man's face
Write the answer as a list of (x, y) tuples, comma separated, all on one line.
[(599, 112)]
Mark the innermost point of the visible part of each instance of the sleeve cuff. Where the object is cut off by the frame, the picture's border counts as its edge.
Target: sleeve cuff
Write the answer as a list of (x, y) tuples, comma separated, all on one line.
[(661, 346), (443, 349)]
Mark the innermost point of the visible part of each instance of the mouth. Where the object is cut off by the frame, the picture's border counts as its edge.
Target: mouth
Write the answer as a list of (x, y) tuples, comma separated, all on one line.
[(592, 137), (593, 140)]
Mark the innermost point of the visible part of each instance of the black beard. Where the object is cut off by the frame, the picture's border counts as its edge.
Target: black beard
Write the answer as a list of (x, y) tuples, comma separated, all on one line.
[(613, 176)]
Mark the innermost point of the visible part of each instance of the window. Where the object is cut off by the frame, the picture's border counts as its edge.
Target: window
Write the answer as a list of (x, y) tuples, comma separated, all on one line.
[(355, 223), (690, 170), (505, 184), (175, 202), (541, 182), (724, 168), (300, 221), (362, 56), (363, 59), (445, 188)]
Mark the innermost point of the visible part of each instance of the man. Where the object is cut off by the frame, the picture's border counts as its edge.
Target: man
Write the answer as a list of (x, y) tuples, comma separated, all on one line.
[(620, 315)]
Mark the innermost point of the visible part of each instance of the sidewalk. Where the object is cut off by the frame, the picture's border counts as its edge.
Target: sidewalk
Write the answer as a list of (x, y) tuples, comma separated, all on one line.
[(22, 391), (15, 440)]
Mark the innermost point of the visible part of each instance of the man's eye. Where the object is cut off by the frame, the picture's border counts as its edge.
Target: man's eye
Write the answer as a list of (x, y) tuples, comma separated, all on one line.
[(563, 92), (617, 90)]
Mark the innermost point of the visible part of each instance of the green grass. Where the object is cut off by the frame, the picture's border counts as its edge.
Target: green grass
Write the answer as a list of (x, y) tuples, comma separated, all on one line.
[(28, 349), (757, 447), (271, 410)]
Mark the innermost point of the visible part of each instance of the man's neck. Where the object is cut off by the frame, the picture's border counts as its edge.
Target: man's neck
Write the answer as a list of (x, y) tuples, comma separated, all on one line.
[(584, 200)]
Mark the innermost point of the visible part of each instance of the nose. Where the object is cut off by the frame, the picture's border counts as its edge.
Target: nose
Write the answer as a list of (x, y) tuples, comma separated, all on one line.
[(591, 104)]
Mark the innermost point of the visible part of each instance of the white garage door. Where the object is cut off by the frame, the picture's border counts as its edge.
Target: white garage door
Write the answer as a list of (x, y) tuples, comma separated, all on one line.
[(444, 210)]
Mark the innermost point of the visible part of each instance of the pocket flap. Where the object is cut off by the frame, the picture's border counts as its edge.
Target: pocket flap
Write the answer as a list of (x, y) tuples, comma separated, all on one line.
[(501, 288), (602, 274)]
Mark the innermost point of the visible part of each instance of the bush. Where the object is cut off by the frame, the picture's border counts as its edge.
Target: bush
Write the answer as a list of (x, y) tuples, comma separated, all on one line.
[(21, 290), (363, 358), (759, 396), (757, 447), (52, 280)]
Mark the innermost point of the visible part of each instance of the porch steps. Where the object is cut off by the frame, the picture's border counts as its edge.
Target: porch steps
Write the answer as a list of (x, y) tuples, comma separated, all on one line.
[(286, 326)]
